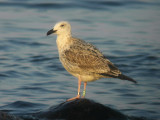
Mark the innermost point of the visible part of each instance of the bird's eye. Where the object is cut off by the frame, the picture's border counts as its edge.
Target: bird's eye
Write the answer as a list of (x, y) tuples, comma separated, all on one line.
[(62, 25)]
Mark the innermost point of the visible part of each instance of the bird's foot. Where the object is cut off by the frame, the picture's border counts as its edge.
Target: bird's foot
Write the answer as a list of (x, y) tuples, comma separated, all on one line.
[(77, 97)]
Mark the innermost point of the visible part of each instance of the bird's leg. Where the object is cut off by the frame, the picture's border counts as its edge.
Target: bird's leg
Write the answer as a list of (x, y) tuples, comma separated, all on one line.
[(84, 91), (79, 87)]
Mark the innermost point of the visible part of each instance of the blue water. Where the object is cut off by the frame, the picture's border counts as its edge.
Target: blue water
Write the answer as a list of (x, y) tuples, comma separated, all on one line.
[(126, 31)]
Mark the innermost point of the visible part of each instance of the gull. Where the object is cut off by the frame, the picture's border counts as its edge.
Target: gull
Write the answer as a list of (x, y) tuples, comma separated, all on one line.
[(83, 60)]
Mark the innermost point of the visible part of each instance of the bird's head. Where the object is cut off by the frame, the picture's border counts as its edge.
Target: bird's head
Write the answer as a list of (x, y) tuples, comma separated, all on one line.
[(61, 28)]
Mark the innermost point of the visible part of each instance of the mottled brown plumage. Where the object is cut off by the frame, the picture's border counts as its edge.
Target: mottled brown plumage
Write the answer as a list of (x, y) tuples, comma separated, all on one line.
[(85, 59), (82, 59)]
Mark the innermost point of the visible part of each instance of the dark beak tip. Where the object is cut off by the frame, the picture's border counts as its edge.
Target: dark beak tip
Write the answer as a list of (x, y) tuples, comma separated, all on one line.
[(50, 32)]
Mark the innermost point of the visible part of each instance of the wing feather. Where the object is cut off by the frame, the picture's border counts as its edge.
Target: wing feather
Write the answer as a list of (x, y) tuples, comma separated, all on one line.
[(87, 59)]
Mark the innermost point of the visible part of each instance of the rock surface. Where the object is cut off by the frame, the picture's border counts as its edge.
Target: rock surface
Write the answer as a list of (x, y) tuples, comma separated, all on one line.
[(82, 109), (79, 109)]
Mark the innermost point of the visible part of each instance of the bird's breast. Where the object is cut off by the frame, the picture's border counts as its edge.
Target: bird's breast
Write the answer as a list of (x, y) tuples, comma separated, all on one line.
[(63, 43)]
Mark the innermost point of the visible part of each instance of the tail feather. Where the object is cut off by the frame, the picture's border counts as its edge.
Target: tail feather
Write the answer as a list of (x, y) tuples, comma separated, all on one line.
[(124, 77)]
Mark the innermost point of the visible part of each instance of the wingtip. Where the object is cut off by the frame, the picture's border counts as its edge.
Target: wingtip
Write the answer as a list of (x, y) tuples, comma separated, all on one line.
[(124, 77)]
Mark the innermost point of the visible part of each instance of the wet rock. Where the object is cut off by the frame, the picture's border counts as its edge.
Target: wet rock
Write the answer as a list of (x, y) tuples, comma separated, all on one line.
[(81, 109)]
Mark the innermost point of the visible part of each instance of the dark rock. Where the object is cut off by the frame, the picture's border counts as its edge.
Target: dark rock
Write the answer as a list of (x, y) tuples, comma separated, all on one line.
[(81, 109)]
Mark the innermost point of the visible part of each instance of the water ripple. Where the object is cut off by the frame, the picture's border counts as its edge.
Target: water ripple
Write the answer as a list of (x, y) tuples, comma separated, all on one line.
[(94, 5), (22, 106)]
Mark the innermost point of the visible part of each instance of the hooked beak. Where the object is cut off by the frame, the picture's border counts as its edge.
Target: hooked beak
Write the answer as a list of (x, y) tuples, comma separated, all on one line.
[(51, 31)]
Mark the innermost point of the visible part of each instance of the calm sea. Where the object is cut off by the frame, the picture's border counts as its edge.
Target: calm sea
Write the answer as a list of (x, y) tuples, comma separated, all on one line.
[(126, 31)]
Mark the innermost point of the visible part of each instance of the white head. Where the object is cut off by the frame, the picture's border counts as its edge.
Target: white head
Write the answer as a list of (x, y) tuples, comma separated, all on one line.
[(61, 28)]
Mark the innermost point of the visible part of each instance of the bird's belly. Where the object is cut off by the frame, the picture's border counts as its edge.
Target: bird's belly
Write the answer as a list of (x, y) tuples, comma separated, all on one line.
[(85, 77), (89, 78), (76, 71)]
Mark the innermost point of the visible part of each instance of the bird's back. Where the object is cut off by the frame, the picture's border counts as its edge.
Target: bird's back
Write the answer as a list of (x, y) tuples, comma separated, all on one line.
[(84, 59)]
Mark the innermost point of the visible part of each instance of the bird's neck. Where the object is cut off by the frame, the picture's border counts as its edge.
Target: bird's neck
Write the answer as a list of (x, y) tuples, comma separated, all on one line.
[(63, 42)]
